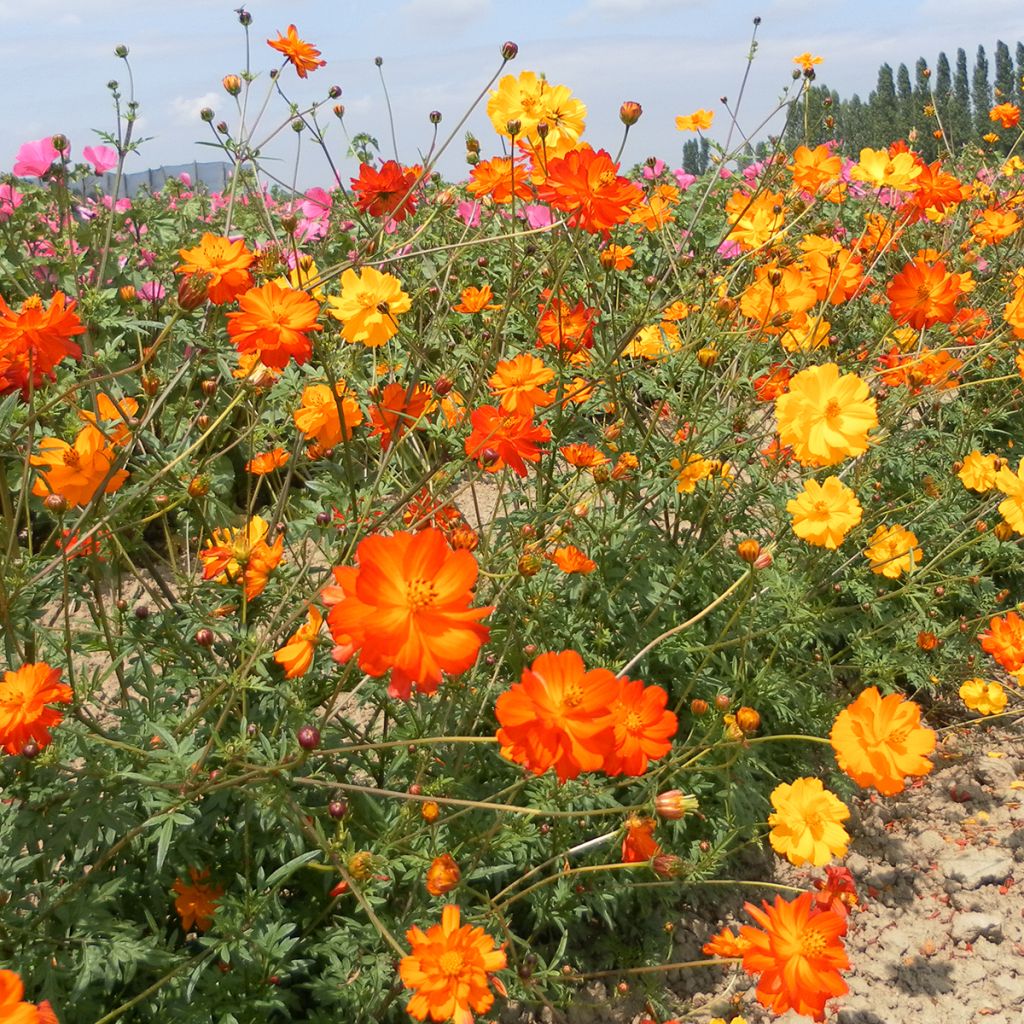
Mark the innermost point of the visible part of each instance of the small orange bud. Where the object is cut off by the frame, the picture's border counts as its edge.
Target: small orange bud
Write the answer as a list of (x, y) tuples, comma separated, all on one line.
[(707, 357), (674, 804), (464, 538), (443, 875), (232, 84), (126, 292), (430, 812), (698, 707), (529, 564), (927, 641), (748, 720), (1003, 531), (199, 486), (748, 550), (192, 291), (629, 112)]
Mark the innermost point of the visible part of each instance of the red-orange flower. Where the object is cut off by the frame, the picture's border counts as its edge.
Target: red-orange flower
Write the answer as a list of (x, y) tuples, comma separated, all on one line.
[(223, 263), (639, 844), (643, 728), (397, 410), (561, 326), (1007, 114), (571, 559), (405, 607), (798, 953), (387, 192), (517, 384), (503, 439), (449, 968), (76, 471), (24, 716), (557, 716), (476, 300), (35, 339), (12, 1009), (586, 185), (443, 875), (1004, 640), (242, 555), (583, 455), (923, 293), (300, 54), (267, 462), (772, 384), (196, 903), (274, 322), (297, 654), (725, 944), (499, 178)]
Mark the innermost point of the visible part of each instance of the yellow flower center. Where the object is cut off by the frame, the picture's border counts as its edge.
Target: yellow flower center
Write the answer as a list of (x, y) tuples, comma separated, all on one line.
[(634, 723), (420, 593), (812, 943), (450, 962)]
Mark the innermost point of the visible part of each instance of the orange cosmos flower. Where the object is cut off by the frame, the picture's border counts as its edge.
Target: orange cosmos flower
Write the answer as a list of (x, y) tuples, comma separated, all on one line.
[(583, 455), (322, 415), (13, 1010), (557, 716), (836, 276), (76, 471), (500, 179), (387, 192), (274, 321), (824, 513), (503, 439), (405, 607), (807, 62), (639, 844), (118, 412), (397, 410), (798, 953), (35, 339), (923, 294), (267, 462), (920, 369), (301, 55), (1011, 508), (586, 185), (196, 903), (443, 875), (564, 327), (699, 120), (778, 298), (826, 416), (816, 169), (476, 300), (643, 728), (24, 716), (893, 550), (880, 740), (1006, 114), (242, 556), (770, 385), (995, 226), (1004, 640), (449, 968), (224, 263), (571, 559), (882, 169), (725, 944), (754, 221), (517, 384), (617, 257), (807, 823), (297, 654)]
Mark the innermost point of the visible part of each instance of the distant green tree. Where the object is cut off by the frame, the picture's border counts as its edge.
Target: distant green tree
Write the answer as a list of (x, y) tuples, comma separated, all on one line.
[(904, 103), (922, 123), (1018, 78), (1003, 80), (696, 156), (981, 93), (942, 93), (883, 108), (961, 123)]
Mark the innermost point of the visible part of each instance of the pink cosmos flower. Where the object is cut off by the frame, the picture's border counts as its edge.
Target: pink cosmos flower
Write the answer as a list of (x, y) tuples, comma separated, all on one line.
[(35, 158), (102, 158), (729, 249), (151, 291), (683, 180), (468, 213), (650, 173), (10, 199), (537, 216), (186, 179)]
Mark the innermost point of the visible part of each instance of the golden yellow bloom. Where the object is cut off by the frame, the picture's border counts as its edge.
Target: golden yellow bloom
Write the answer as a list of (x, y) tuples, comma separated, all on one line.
[(983, 697), (879, 169), (699, 120), (1012, 485), (368, 306), (806, 825), (530, 99), (978, 472), (823, 514), (892, 550), (807, 62)]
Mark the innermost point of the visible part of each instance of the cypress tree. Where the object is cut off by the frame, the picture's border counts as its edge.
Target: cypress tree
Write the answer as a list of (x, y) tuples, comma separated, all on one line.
[(981, 93), (883, 109), (1003, 74), (942, 93), (1018, 78), (905, 105), (960, 120)]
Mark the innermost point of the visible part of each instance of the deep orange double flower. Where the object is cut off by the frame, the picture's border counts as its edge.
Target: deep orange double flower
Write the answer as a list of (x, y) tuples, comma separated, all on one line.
[(301, 55), (275, 323), (34, 339), (502, 439), (24, 714), (222, 263), (76, 471), (387, 192), (586, 185)]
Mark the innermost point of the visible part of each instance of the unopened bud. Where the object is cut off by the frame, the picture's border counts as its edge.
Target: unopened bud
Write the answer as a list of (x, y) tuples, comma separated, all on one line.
[(748, 720), (434, 117), (206, 114), (60, 143), (121, 51), (55, 503), (509, 50), (232, 84), (334, 92), (339, 110), (514, 126), (707, 357), (748, 550), (126, 293), (192, 291), (629, 112), (674, 804)]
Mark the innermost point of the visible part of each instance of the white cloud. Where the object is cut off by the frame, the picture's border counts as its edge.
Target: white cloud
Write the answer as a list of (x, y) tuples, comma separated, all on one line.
[(185, 110)]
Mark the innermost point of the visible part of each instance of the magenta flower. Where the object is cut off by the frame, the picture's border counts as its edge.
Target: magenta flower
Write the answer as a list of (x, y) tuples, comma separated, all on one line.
[(151, 291), (10, 198), (468, 213), (35, 158), (102, 158), (650, 173), (683, 180)]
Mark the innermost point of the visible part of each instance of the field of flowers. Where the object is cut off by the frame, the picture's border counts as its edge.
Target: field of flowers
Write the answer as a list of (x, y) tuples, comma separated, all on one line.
[(414, 590)]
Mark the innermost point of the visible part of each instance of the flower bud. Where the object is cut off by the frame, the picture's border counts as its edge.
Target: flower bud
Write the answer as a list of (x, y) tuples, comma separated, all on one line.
[(430, 812), (464, 538), (339, 110), (192, 291), (629, 112), (698, 707), (748, 550), (435, 117), (308, 737), (748, 720), (674, 804), (360, 865), (443, 875), (232, 84), (509, 50), (199, 486), (337, 809), (667, 865), (126, 293), (206, 114), (707, 357), (334, 92), (297, 125), (529, 564), (204, 637), (55, 503), (722, 702), (244, 17), (379, 61), (121, 51), (1003, 531), (514, 126), (542, 129)]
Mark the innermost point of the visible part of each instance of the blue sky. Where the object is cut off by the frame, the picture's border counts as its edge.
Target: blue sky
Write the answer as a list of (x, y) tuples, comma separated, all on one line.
[(672, 56)]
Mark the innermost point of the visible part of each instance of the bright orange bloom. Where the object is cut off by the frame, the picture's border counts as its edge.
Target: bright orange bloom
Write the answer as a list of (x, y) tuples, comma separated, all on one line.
[(816, 169), (936, 190), (443, 875), (502, 439), (476, 300), (449, 968), (76, 471), (699, 120), (643, 728), (807, 62), (563, 327), (655, 210), (387, 192), (583, 455), (517, 384), (301, 55), (807, 823), (558, 716), (319, 419), (397, 410), (778, 298), (369, 306), (24, 716), (223, 262), (995, 226), (824, 513), (770, 385), (725, 944), (836, 276), (243, 556), (639, 844), (923, 294), (571, 559), (500, 179), (1007, 114), (586, 185), (917, 370), (118, 412), (881, 168), (405, 607), (1004, 640), (12, 1009), (267, 462), (878, 741), (893, 550), (617, 257), (755, 220), (196, 903), (35, 339), (274, 322), (297, 654), (798, 953)]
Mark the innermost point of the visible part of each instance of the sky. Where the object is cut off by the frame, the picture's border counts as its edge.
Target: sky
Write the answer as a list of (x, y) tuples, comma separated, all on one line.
[(671, 56)]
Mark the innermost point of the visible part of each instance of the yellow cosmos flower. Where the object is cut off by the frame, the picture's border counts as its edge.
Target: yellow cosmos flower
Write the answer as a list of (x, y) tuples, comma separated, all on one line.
[(699, 120), (823, 514), (806, 825), (983, 697), (892, 550), (368, 306), (880, 170), (825, 417), (978, 472), (1012, 485)]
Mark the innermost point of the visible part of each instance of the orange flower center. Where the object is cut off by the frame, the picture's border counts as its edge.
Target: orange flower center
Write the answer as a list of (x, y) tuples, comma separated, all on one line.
[(833, 409), (820, 509), (605, 179), (572, 695), (812, 943), (32, 302), (450, 962), (634, 723), (71, 458), (420, 593)]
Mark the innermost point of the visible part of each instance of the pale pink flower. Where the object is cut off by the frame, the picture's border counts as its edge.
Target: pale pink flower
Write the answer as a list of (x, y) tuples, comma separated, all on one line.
[(650, 173), (683, 180), (35, 158), (468, 213), (537, 216), (102, 158), (10, 199)]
